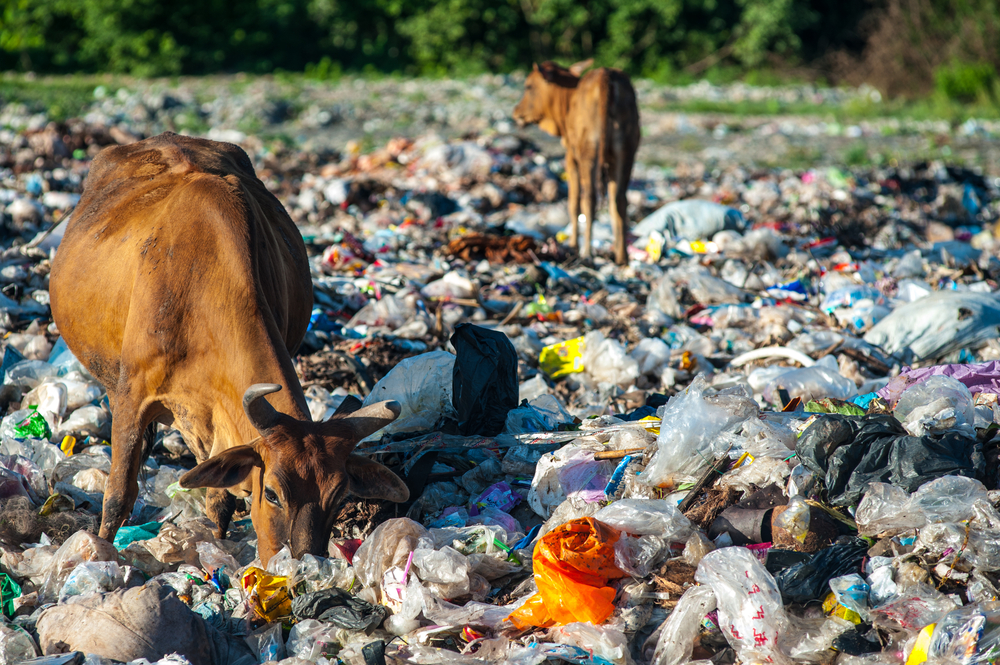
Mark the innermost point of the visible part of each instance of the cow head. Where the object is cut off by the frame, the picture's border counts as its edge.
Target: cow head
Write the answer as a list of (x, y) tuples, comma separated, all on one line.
[(301, 471), (536, 105)]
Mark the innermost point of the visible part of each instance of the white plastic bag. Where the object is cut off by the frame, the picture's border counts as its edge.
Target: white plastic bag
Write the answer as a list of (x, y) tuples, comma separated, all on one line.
[(935, 406), (751, 614), (422, 385)]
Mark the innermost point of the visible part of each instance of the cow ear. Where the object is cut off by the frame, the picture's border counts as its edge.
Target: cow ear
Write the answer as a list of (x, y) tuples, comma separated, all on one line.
[(349, 405), (371, 480), (534, 66), (226, 469), (580, 67)]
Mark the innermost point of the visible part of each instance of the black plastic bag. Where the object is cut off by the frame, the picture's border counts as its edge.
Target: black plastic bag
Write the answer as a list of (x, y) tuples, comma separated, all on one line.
[(809, 580), (485, 380), (341, 609), (851, 453)]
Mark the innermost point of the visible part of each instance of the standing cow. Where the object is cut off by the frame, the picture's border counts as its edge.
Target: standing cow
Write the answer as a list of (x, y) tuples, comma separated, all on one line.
[(183, 286), (598, 120)]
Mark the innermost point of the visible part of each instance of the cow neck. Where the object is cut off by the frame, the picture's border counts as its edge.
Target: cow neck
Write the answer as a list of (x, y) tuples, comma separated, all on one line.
[(560, 101)]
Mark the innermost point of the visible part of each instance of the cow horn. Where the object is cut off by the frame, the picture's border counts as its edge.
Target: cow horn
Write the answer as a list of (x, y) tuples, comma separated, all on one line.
[(261, 414)]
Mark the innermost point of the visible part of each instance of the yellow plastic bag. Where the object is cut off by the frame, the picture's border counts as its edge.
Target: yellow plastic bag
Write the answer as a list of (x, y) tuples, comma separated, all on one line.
[(572, 564), (268, 594), (558, 360)]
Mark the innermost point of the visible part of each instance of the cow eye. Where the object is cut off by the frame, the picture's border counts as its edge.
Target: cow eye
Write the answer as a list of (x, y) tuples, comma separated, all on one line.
[(271, 496)]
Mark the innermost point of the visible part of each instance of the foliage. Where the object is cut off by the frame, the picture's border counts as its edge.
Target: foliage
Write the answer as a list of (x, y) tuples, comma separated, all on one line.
[(902, 46)]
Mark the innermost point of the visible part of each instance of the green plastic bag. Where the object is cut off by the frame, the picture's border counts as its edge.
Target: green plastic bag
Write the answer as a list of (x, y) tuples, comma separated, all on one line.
[(9, 590), (132, 534), (33, 426)]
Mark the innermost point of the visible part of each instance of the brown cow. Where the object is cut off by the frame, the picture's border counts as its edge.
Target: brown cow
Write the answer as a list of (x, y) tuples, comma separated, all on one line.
[(598, 120), (183, 286)]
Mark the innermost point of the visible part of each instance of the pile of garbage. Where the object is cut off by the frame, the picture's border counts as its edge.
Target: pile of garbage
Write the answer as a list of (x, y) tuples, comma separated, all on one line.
[(768, 438)]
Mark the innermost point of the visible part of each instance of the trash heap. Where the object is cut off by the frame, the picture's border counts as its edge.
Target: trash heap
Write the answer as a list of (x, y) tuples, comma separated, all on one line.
[(768, 438)]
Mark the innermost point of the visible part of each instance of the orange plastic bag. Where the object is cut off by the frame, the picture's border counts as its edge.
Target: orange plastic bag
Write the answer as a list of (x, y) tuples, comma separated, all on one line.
[(573, 564)]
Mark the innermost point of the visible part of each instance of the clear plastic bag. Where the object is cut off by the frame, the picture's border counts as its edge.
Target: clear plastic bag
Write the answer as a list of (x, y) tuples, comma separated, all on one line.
[(795, 519), (177, 543), (568, 472), (697, 546), (389, 545), (267, 643), (601, 641), (92, 576), (852, 592), (16, 646), (810, 383), (948, 499), (912, 609), (647, 517), (81, 546), (935, 406), (750, 610), (692, 423), (310, 639), (652, 354), (676, 641), (606, 361)]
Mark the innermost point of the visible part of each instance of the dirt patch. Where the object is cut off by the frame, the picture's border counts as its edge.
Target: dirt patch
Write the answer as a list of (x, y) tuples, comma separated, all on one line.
[(20, 523), (715, 501)]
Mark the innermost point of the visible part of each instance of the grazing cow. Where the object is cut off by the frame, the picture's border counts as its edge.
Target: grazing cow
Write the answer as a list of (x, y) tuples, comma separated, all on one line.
[(597, 118), (183, 286)]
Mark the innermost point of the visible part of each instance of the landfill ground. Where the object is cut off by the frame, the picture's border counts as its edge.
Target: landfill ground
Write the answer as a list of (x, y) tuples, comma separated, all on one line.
[(768, 438)]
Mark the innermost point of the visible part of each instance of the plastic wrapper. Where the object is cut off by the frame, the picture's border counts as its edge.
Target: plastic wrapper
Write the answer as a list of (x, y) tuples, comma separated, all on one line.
[(692, 423), (268, 595), (601, 641), (481, 476), (638, 556), (572, 567), (852, 592), (541, 414), (178, 543), (758, 473), (750, 611), (677, 636), (888, 508), (644, 517)]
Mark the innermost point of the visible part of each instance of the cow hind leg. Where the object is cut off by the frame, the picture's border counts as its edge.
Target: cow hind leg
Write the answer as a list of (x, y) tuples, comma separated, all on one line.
[(588, 204), (127, 444), (573, 183), (220, 506), (621, 174)]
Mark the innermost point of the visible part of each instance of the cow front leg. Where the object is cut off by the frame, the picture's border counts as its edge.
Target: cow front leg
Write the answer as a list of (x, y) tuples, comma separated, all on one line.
[(220, 506)]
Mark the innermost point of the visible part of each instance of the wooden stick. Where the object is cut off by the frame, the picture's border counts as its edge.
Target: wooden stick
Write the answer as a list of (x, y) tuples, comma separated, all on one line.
[(705, 482), (617, 454)]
